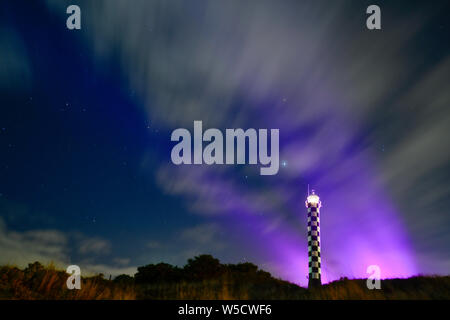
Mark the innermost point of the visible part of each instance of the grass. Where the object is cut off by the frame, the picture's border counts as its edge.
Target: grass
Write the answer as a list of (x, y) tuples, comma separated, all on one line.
[(48, 283), (37, 282)]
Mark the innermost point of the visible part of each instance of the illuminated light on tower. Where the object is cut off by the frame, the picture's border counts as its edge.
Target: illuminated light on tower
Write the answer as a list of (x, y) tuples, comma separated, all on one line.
[(313, 204)]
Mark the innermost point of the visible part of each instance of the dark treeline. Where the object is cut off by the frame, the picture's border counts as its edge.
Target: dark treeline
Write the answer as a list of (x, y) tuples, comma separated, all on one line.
[(204, 277), (203, 267)]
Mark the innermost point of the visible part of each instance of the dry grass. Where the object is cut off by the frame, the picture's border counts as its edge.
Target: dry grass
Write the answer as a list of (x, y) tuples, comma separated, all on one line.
[(37, 282), (416, 288), (205, 290), (48, 283)]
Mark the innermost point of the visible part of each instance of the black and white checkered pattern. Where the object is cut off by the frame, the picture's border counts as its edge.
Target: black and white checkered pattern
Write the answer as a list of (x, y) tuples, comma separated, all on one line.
[(314, 243)]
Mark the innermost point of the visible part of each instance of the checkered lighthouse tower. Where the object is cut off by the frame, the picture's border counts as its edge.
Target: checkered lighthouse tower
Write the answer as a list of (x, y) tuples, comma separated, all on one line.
[(313, 204)]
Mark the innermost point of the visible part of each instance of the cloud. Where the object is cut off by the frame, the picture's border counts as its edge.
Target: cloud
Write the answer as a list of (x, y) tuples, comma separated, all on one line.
[(421, 146), (16, 71), (94, 246), (121, 261), (21, 248)]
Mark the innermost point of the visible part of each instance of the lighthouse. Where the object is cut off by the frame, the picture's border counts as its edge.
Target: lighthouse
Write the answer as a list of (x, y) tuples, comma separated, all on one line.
[(313, 204)]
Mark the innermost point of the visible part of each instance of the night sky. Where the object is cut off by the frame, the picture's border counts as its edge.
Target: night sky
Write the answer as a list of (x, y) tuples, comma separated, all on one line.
[(86, 117)]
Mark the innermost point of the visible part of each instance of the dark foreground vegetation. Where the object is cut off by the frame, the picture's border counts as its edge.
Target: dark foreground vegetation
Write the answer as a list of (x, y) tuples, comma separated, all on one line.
[(204, 277)]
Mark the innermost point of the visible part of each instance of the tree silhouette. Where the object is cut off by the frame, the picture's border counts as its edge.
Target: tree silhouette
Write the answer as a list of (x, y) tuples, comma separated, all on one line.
[(156, 273), (124, 279), (204, 266)]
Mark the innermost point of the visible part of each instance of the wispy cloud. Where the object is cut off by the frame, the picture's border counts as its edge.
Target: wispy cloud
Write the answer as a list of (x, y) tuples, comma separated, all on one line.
[(94, 246), (16, 71), (23, 247)]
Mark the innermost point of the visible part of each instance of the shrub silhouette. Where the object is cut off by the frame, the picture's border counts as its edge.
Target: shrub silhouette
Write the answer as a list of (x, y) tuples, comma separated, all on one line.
[(204, 277), (158, 273), (39, 282), (199, 268), (203, 267), (124, 279)]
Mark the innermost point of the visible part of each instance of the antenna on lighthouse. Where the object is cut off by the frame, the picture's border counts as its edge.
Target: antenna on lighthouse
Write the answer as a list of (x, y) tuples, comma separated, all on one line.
[(308, 189)]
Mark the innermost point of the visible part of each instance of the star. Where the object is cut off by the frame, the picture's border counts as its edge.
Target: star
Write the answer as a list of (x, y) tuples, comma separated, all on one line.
[(284, 163)]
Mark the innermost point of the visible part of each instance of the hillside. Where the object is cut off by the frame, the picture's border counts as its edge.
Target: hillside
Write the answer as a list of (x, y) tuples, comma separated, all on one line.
[(204, 277)]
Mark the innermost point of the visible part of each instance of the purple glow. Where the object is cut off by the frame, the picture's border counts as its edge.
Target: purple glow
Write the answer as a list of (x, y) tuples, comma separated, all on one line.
[(359, 227), (359, 223)]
